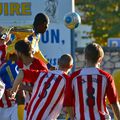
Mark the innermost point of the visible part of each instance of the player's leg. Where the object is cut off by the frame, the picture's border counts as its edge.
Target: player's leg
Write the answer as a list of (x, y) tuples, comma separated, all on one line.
[(20, 101), (14, 112)]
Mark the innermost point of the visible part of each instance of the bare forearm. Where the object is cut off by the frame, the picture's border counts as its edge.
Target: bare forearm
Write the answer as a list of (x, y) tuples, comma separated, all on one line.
[(17, 81), (116, 109)]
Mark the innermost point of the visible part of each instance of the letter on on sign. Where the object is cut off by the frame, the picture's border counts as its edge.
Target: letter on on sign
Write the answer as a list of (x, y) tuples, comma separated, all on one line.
[(15, 8)]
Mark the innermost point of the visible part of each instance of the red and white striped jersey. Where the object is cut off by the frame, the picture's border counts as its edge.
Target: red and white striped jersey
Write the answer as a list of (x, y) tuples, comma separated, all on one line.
[(35, 65), (90, 87), (5, 102), (2, 53), (47, 96)]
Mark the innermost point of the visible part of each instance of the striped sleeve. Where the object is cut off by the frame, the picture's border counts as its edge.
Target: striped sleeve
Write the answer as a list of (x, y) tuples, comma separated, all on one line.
[(111, 91)]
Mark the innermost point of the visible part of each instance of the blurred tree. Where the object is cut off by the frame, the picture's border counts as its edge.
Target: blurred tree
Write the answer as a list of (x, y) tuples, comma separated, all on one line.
[(104, 16)]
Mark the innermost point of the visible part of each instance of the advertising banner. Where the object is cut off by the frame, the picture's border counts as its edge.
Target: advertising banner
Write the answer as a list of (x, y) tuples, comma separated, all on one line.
[(57, 39)]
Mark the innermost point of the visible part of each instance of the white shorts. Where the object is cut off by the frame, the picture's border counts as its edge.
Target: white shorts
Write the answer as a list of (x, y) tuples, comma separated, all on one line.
[(9, 113), (25, 114)]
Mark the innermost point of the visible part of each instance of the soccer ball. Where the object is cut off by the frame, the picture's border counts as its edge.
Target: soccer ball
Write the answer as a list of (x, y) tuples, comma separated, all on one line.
[(72, 20)]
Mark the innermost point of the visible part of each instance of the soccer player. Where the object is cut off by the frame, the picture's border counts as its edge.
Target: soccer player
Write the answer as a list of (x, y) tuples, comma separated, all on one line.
[(91, 85), (48, 93), (40, 24), (8, 73), (26, 61)]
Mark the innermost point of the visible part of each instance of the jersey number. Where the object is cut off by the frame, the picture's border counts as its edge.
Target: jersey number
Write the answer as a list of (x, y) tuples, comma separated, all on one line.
[(90, 96)]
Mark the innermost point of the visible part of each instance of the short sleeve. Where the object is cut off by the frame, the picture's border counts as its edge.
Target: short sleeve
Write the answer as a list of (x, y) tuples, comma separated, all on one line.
[(111, 91), (68, 100)]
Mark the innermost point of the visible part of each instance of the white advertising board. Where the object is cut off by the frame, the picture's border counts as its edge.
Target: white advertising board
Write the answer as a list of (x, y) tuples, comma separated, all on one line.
[(55, 42)]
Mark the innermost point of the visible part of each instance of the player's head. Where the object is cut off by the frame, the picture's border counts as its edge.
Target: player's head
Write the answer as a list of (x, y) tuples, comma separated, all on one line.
[(94, 53), (65, 62), (40, 23), (23, 48)]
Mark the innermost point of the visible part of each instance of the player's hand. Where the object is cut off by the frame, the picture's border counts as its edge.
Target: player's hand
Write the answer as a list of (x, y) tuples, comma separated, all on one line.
[(12, 95)]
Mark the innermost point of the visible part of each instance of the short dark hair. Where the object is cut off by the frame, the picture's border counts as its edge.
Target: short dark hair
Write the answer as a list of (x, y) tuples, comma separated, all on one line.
[(65, 61), (23, 46), (40, 18), (93, 52)]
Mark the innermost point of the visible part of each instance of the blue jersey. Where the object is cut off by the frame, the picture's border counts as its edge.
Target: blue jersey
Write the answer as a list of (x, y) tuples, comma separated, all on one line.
[(8, 73)]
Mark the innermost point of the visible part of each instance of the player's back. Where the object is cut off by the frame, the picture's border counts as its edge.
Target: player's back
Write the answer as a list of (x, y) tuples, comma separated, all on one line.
[(90, 86), (47, 96)]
